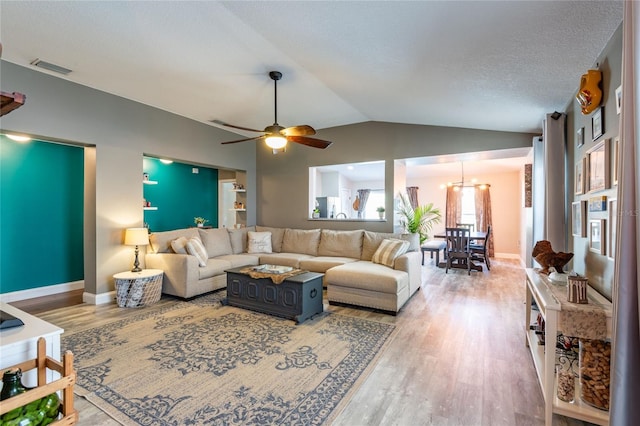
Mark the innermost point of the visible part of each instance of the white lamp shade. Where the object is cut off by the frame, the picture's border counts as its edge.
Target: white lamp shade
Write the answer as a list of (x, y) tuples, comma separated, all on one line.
[(136, 237), (276, 142)]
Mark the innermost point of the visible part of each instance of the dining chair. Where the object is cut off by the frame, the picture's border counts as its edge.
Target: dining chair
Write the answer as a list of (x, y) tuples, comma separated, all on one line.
[(479, 251), (470, 226), (458, 253)]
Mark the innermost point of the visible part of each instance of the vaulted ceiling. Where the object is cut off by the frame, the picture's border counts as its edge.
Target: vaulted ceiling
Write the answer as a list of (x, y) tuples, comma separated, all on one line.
[(489, 65)]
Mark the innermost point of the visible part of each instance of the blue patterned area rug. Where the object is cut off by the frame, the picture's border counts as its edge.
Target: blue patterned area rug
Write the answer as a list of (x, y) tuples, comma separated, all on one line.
[(197, 362)]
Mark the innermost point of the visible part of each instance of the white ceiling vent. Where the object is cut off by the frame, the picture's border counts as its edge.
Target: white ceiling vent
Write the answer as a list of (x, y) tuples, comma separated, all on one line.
[(51, 67)]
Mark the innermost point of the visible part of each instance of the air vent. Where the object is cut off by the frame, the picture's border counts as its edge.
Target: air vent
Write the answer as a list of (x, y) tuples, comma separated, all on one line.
[(51, 67)]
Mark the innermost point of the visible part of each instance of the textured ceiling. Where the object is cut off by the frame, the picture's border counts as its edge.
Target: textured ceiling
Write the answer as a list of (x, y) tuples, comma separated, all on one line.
[(488, 65)]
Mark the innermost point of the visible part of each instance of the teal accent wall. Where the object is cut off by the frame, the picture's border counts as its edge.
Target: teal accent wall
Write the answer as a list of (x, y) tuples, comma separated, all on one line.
[(180, 195), (41, 214)]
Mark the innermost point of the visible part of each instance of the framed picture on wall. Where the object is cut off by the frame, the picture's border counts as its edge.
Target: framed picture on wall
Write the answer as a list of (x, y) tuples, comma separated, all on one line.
[(579, 176), (579, 218), (613, 215), (597, 124), (616, 159), (597, 234), (598, 175), (580, 137)]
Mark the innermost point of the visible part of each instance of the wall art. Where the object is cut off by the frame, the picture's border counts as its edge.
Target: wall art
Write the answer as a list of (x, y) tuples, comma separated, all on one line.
[(579, 176), (597, 236), (597, 124), (598, 204), (613, 222), (579, 218), (598, 175), (580, 137)]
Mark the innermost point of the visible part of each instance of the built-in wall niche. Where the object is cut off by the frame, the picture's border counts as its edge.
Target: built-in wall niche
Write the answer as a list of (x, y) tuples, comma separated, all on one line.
[(182, 193), (334, 191)]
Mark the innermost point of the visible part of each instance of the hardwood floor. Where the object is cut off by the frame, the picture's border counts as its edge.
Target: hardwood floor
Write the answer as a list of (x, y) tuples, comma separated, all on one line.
[(459, 357)]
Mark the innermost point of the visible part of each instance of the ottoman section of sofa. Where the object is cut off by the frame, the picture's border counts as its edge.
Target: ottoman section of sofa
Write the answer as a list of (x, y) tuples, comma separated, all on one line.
[(368, 284)]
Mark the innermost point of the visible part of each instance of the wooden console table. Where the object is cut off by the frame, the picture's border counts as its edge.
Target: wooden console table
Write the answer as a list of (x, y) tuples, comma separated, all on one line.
[(538, 289)]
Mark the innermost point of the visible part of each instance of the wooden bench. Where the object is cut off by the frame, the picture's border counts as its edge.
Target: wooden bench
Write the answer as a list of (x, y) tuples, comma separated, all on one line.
[(433, 246)]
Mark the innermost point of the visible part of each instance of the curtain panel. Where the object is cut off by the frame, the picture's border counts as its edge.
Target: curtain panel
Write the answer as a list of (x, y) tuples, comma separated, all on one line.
[(453, 209), (625, 371), (482, 199), (412, 192), (363, 195)]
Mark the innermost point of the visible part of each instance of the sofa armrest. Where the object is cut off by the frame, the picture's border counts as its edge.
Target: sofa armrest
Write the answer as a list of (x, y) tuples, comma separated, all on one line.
[(411, 263), (179, 271)]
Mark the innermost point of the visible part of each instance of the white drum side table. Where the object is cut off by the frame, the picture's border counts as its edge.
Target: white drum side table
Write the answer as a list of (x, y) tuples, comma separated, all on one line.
[(138, 289)]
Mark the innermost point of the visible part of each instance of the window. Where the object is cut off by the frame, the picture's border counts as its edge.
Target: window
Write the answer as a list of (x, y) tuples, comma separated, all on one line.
[(468, 205), (333, 190), (376, 199)]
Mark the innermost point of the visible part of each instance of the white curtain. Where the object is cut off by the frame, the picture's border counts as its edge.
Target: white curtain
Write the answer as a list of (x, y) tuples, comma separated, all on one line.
[(625, 392)]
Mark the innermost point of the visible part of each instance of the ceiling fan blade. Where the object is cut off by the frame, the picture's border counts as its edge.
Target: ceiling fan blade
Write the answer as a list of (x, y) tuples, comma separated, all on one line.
[(312, 142), (244, 140), (303, 130), (234, 126)]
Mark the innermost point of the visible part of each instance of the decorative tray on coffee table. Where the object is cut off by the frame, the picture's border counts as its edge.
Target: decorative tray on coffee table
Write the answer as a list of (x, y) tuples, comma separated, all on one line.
[(272, 269)]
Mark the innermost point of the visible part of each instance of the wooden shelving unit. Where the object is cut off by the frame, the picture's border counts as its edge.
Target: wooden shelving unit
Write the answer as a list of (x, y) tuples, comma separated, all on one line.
[(64, 384)]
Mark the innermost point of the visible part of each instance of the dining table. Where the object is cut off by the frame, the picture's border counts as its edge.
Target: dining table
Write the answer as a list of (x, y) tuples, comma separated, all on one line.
[(473, 236)]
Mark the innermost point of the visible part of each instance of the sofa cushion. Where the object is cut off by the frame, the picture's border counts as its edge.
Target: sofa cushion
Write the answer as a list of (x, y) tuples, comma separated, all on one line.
[(238, 238), (213, 267), (368, 276), (179, 245), (195, 248), (371, 241), (238, 260), (340, 243), (301, 241), (388, 250), (161, 241), (284, 259), (259, 242), (277, 234), (216, 241), (322, 263)]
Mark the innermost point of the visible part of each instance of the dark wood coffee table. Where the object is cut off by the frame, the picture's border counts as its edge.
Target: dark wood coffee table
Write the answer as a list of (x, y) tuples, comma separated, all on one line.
[(298, 297)]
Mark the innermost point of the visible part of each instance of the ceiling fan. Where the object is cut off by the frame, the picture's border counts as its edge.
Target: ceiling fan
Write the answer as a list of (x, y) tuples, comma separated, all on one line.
[(276, 136)]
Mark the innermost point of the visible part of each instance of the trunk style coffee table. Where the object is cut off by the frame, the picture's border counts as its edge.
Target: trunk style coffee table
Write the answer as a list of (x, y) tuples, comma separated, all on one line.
[(298, 297)]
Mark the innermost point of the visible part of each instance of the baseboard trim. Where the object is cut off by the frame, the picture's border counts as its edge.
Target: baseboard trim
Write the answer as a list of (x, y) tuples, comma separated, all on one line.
[(99, 299), (507, 256), (32, 293)]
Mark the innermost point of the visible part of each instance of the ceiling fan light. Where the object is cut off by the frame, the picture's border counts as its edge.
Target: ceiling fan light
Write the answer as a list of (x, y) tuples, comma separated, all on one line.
[(276, 142)]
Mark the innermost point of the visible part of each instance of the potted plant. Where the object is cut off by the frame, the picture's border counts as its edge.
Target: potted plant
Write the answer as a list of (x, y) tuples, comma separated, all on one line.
[(200, 221), (380, 211), (419, 220), (316, 213)]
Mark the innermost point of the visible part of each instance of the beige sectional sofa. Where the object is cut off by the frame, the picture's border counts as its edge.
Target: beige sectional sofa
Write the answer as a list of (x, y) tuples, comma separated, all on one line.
[(359, 269)]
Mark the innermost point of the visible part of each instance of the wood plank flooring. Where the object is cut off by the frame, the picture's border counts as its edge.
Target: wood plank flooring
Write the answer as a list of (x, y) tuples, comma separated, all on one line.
[(459, 357)]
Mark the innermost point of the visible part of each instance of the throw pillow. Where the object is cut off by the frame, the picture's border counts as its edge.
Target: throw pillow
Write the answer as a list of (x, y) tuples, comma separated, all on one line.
[(195, 248), (388, 250), (259, 242), (179, 245)]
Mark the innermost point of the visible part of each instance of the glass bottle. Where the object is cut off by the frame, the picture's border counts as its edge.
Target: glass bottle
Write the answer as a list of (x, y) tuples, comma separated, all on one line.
[(12, 384)]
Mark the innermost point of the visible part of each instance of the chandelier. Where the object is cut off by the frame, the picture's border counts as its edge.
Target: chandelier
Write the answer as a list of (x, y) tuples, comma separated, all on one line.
[(462, 184)]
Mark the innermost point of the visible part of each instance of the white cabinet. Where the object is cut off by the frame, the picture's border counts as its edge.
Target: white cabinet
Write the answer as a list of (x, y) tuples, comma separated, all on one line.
[(544, 356), (19, 344)]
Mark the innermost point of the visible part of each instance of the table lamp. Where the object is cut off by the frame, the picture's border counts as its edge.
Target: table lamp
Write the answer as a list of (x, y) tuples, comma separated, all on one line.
[(136, 237)]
